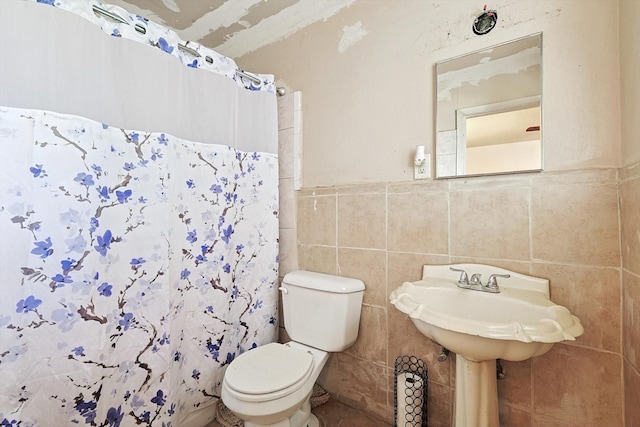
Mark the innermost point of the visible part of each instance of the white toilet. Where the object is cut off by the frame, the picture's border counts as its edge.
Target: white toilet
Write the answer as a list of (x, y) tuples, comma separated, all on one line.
[(271, 385)]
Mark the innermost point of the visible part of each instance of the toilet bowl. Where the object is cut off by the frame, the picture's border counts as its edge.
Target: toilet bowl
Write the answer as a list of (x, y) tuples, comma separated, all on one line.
[(271, 385)]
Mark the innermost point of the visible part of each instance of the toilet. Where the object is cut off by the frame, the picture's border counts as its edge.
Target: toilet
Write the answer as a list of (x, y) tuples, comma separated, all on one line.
[(271, 385)]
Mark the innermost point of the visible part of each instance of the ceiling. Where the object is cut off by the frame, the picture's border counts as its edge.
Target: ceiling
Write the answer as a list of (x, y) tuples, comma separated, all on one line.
[(234, 27)]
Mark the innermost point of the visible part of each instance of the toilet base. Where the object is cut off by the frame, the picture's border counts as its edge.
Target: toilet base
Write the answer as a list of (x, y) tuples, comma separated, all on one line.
[(302, 418), (311, 422)]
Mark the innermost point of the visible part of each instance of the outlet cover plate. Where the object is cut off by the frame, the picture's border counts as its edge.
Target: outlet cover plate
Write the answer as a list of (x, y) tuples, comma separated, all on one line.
[(423, 171)]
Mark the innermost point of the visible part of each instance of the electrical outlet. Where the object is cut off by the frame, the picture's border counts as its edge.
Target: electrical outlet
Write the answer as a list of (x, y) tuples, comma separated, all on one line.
[(420, 172), (423, 171)]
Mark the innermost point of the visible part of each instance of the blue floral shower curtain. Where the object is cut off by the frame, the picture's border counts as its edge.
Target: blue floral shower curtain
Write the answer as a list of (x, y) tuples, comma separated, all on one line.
[(135, 267)]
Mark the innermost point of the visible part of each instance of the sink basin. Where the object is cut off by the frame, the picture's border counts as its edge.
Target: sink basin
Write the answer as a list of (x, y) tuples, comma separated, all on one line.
[(516, 323)]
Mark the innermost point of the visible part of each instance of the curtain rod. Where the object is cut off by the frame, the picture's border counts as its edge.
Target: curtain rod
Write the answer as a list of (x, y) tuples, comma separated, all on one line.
[(239, 73), (139, 28)]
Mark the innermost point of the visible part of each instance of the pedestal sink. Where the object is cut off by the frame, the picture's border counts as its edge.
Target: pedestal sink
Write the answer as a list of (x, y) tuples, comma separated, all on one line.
[(514, 321)]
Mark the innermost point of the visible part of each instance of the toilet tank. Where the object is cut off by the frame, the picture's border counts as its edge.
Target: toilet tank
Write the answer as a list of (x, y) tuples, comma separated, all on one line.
[(322, 310)]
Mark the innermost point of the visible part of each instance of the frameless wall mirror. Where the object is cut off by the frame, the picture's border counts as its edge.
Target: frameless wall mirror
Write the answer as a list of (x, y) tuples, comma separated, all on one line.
[(488, 110)]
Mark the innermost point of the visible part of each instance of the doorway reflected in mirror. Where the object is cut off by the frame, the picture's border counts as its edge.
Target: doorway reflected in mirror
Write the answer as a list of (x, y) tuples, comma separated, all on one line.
[(489, 108)]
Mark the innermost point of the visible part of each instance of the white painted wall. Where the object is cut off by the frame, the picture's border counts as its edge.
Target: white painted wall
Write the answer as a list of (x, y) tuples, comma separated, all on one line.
[(630, 80), (368, 105), (523, 155)]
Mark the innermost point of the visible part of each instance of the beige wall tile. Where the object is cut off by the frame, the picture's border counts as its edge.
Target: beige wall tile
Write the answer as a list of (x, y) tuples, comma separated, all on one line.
[(370, 266), (418, 186), (452, 372), (523, 267), (439, 405), (542, 421), (404, 339), (317, 191), (490, 224), (407, 267), (630, 171), (322, 259), (329, 378), (418, 222), (316, 220), (371, 343), (551, 390), (576, 224), (363, 384), (492, 182), (631, 318), (630, 224), (630, 245), (336, 413), (285, 111), (287, 211), (576, 177), (513, 417), (362, 189), (515, 389), (579, 386), (403, 336), (590, 293), (631, 393), (287, 253), (390, 416), (362, 221), (285, 153)]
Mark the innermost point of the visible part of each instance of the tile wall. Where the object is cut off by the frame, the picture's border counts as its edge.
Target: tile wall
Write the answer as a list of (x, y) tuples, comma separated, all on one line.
[(289, 160), (630, 244), (570, 227), (561, 226)]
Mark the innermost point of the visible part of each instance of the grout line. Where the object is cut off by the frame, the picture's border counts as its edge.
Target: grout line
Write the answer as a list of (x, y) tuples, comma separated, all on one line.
[(337, 263), (621, 296), (626, 270), (386, 281), (530, 209), (449, 225)]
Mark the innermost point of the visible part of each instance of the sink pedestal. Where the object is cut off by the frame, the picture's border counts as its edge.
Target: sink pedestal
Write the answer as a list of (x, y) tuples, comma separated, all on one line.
[(515, 324), (476, 401)]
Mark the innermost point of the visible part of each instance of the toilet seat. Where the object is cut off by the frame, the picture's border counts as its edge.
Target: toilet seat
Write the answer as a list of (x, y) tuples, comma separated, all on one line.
[(269, 372)]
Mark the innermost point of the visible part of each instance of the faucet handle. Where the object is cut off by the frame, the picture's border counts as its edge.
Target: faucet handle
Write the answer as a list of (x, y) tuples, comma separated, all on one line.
[(476, 279), (492, 283), (464, 277)]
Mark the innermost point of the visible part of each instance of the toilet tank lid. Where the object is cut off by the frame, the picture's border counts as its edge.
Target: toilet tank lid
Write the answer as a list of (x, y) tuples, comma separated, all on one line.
[(323, 282)]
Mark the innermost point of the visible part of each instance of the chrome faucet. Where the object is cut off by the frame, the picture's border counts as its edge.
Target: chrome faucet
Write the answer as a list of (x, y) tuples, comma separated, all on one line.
[(475, 279), (475, 284), (464, 277), (492, 283)]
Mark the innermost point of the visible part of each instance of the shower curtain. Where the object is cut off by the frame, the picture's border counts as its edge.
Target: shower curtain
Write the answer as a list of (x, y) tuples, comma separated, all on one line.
[(136, 263)]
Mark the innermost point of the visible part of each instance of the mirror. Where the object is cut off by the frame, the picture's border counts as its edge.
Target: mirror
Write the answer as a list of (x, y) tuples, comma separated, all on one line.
[(488, 110)]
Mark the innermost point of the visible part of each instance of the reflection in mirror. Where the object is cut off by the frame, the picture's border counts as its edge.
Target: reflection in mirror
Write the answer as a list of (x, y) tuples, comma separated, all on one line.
[(489, 111)]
